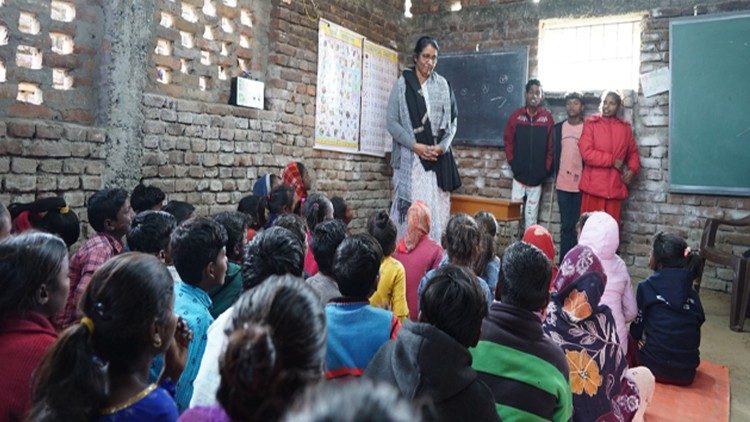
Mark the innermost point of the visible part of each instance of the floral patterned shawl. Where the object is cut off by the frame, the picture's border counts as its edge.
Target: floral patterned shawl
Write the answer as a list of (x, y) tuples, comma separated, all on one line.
[(586, 332)]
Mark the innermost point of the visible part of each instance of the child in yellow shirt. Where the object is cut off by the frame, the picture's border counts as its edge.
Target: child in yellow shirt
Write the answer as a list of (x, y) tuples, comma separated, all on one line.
[(391, 291)]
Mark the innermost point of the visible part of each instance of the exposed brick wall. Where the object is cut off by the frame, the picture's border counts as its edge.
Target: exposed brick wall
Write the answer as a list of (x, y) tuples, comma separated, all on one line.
[(39, 159), (650, 207), (67, 72), (209, 153)]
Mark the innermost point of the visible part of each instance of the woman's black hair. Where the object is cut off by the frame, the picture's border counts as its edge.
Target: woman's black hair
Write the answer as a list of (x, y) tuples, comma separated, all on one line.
[(195, 244), (252, 206), (339, 207), (453, 302), (671, 251), (275, 349), (356, 266), (326, 237), (180, 210), (51, 215), (124, 298), (236, 225), (461, 240), (274, 251), (150, 231), (488, 230), (361, 400), (280, 200), (104, 205), (316, 209), (423, 42), (302, 169), (381, 227), (486, 222), (145, 197), (27, 262)]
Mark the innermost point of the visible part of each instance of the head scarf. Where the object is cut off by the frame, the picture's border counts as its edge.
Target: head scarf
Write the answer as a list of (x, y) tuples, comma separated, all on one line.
[(586, 332), (262, 186), (417, 226), (541, 238), (292, 177)]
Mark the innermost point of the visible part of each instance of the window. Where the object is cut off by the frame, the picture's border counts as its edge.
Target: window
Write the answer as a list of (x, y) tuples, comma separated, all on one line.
[(590, 54)]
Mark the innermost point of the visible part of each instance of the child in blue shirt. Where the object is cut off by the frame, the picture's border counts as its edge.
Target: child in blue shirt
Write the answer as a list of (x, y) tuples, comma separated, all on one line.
[(199, 255), (356, 330)]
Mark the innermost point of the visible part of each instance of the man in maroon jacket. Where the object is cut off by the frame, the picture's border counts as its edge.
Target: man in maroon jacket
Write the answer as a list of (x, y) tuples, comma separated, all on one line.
[(528, 149)]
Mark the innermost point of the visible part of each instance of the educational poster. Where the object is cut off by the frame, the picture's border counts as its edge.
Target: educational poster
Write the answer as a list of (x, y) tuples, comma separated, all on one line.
[(337, 102), (379, 74)]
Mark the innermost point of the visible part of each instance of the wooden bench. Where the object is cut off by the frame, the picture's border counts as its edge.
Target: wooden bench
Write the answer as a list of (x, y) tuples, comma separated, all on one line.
[(504, 210), (740, 266)]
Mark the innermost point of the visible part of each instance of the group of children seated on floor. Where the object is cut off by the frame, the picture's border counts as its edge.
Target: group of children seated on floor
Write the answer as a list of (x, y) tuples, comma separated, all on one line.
[(242, 315)]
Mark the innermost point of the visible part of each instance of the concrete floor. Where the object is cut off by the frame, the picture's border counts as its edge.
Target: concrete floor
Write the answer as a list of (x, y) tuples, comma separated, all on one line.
[(721, 345)]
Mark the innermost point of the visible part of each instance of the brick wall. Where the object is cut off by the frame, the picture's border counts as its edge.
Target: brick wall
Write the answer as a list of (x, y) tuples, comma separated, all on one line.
[(650, 207), (51, 51), (48, 158), (209, 153), (174, 135)]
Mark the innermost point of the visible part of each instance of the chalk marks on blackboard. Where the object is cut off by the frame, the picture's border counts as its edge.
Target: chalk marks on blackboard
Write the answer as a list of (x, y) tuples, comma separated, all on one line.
[(502, 101)]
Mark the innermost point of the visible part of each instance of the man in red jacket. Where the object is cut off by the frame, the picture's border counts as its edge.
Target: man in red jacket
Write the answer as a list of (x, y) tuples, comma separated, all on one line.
[(528, 149), (610, 158)]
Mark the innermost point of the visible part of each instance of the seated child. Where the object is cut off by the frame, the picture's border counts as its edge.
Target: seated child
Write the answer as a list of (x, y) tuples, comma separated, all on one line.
[(146, 198), (200, 257), (540, 237), (417, 252), (51, 215), (391, 290), (275, 251), (526, 371), (182, 211), (488, 263), (602, 234), (96, 368), (670, 314), (281, 200), (429, 359), (33, 287), (149, 233), (109, 215), (317, 209), (253, 208), (602, 387), (326, 237), (222, 297), (341, 210), (356, 330), (275, 349), (461, 242), (296, 176)]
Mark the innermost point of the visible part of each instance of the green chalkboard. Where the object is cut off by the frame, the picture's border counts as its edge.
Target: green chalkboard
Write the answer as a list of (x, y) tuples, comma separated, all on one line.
[(709, 105)]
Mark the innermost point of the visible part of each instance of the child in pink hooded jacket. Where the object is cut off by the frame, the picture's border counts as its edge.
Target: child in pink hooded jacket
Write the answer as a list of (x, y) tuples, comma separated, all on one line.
[(602, 234)]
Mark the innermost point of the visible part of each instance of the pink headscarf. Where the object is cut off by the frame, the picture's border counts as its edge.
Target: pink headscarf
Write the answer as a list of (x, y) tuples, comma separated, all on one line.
[(417, 226)]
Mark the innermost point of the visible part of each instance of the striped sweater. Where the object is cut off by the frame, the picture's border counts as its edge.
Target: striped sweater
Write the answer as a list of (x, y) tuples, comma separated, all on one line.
[(526, 371), (356, 331)]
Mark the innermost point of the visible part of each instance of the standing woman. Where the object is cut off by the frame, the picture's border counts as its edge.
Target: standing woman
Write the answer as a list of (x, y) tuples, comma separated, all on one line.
[(422, 120), (610, 159)]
